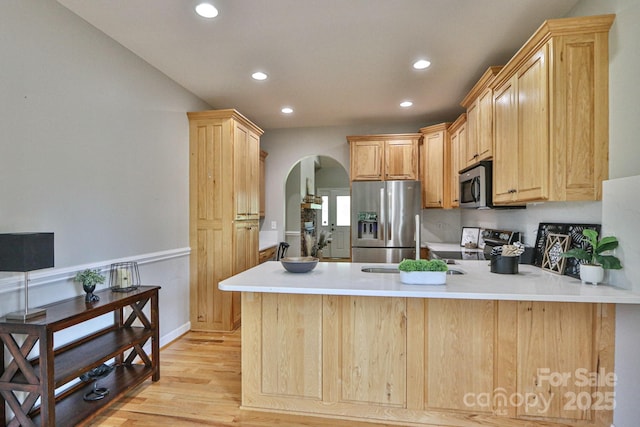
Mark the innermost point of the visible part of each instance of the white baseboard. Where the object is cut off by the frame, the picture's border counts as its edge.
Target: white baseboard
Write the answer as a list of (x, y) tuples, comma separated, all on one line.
[(175, 334)]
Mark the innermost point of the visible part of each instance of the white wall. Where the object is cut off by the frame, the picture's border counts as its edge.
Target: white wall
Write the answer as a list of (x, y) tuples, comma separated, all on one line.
[(287, 146), (93, 147)]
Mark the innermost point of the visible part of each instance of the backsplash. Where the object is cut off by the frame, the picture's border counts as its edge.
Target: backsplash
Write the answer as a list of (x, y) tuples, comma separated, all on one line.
[(526, 220)]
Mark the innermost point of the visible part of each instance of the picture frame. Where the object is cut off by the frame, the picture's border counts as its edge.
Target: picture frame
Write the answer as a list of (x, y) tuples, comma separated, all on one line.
[(552, 260), (470, 237), (572, 265)]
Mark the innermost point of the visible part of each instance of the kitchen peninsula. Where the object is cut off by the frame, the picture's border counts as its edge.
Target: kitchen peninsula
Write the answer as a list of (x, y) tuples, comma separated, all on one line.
[(484, 349)]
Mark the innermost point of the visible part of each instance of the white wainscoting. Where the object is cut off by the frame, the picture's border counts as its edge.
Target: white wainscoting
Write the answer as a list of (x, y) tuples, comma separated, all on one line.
[(168, 269)]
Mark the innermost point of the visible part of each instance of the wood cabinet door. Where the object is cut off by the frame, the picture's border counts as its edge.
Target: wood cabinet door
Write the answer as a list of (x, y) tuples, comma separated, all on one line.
[(471, 147), (533, 128), (432, 157), (246, 163), (367, 159), (401, 159), (241, 173), (454, 159), (460, 346), (485, 125), (372, 351), (246, 255), (263, 198), (253, 181), (565, 361), (505, 159)]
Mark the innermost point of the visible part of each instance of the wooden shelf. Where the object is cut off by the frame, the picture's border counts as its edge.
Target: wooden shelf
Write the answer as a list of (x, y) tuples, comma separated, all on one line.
[(54, 368), (72, 409), (93, 353)]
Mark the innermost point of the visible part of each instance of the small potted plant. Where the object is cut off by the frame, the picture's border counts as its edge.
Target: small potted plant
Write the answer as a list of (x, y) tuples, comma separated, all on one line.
[(323, 240), (89, 279), (423, 272), (593, 264)]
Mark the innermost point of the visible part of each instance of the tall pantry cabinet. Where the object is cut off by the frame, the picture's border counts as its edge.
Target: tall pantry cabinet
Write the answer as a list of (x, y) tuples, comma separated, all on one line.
[(224, 212)]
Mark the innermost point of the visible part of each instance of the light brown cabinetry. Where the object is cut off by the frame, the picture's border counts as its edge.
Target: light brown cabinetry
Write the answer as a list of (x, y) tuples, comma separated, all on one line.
[(454, 156), (224, 212), (267, 254), (479, 128), (551, 114), (434, 170), (263, 198), (427, 361), (384, 157)]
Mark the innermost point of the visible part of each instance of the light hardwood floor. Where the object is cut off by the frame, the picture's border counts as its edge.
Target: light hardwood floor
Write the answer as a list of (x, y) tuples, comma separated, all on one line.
[(200, 381)]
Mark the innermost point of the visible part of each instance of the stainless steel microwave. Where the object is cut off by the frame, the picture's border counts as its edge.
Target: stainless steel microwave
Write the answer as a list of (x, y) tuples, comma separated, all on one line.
[(475, 186)]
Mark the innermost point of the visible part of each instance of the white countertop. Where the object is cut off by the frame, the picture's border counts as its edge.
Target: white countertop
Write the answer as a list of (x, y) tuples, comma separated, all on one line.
[(342, 278)]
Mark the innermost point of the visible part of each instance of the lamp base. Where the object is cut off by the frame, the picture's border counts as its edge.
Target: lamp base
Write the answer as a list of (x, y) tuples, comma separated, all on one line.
[(26, 314)]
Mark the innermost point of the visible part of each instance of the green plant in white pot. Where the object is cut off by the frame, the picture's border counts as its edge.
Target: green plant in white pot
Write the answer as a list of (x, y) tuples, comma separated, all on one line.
[(592, 269), (423, 272)]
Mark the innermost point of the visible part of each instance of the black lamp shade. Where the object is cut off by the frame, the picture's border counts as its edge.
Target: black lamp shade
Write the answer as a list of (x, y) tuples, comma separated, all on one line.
[(26, 251)]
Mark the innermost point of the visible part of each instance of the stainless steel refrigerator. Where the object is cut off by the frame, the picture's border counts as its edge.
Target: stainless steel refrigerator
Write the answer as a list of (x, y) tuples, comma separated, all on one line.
[(383, 220)]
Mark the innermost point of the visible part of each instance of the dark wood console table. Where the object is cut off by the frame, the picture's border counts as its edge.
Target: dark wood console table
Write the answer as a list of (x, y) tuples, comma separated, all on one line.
[(120, 344)]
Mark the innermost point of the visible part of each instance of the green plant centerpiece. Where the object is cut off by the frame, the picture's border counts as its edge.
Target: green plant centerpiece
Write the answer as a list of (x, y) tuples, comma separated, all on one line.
[(89, 279), (594, 263), (423, 272)]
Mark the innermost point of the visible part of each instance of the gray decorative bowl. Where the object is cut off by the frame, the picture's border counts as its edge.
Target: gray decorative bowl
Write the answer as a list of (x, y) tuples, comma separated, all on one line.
[(299, 264)]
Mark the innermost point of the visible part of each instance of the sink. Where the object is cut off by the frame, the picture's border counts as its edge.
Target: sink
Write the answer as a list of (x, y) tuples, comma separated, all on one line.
[(395, 270)]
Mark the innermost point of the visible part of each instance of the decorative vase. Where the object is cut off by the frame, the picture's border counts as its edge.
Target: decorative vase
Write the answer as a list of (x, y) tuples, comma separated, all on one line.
[(590, 273), (90, 296)]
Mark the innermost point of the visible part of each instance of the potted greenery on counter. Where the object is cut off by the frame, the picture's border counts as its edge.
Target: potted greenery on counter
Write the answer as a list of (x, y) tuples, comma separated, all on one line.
[(423, 272), (595, 262)]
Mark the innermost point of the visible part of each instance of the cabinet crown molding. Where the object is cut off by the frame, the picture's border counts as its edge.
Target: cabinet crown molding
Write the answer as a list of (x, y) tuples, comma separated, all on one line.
[(225, 114), (435, 128), (383, 137), (481, 85), (549, 29), (462, 119)]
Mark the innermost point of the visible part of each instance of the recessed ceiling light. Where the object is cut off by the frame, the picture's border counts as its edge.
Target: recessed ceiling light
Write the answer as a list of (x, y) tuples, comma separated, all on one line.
[(406, 104), (259, 75), (287, 110), (421, 64), (206, 10)]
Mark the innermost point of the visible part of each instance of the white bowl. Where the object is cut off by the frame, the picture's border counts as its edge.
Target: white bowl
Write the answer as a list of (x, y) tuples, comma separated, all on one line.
[(299, 264)]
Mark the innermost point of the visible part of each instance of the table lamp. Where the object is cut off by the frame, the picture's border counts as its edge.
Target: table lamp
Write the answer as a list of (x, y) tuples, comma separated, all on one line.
[(25, 252)]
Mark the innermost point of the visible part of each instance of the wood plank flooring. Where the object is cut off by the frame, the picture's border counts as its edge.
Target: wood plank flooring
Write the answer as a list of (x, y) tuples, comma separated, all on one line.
[(200, 381)]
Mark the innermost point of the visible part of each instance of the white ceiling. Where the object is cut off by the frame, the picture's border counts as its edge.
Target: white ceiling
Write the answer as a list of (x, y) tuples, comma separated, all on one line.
[(336, 62)]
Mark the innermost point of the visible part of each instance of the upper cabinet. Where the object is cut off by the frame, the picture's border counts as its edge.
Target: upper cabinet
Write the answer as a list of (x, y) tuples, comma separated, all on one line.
[(551, 114), (384, 157), (479, 127), (263, 198), (454, 158), (434, 167)]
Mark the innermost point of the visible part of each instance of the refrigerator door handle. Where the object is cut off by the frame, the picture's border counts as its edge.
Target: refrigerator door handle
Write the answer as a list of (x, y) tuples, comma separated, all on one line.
[(382, 223), (389, 202)]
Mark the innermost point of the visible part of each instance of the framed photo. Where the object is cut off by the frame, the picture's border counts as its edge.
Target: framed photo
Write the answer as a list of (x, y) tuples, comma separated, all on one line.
[(470, 237), (556, 245)]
